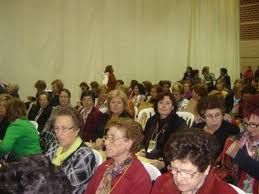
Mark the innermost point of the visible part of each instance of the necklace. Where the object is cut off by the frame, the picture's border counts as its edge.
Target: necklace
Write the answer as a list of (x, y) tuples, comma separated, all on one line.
[(157, 131)]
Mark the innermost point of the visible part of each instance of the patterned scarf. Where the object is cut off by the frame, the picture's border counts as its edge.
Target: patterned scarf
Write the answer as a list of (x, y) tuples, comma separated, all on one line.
[(110, 173)]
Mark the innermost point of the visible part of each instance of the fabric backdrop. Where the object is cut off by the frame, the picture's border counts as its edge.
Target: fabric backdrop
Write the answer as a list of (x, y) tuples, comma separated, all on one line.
[(143, 39)]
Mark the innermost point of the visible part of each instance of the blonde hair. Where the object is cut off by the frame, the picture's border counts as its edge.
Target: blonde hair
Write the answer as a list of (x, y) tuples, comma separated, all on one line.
[(118, 93)]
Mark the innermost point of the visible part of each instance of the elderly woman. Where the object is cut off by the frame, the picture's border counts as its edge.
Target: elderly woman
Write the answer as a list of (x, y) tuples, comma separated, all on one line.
[(160, 126), (21, 138), (70, 153), (40, 112), (212, 110), (122, 172), (117, 104), (4, 99), (178, 92), (245, 150), (191, 154)]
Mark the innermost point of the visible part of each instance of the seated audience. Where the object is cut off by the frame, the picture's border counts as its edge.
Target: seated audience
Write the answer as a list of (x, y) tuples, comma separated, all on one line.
[(208, 78), (245, 149), (70, 152), (91, 116), (101, 102), (4, 99), (212, 110), (220, 88), (187, 89), (33, 174), (188, 75), (21, 137), (13, 90), (40, 112), (178, 92), (225, 78), (165, 85), (122, 172), (160, 126), (191, 155), (233, 98), (95, 88)]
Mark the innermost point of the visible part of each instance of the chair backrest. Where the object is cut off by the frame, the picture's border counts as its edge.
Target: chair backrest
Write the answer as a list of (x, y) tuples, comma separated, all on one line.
[(136, 112), (152, 170), (238, 190), (187, 116), (36, 125), (98, 157), (144, 115)]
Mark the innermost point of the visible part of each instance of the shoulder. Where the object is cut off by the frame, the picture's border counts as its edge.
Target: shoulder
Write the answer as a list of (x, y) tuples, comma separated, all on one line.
[(164, 184), (230, 127)]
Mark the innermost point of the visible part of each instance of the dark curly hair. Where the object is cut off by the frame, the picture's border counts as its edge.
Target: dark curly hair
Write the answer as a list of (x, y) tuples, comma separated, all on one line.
[(161, 96), (194, 145), (211, 102), (132, 129), (33, 174), (251, 106)]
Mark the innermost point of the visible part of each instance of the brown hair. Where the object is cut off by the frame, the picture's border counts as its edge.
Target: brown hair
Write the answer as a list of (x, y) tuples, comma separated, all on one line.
[(15, 109), (40, 84), (211, 102), (200, 89), (132, 129), (58, 83), (161, 96)]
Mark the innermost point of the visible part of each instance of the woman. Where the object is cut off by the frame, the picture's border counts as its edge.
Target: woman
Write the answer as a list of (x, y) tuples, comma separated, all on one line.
[(178, 92), (191, 155), (21, 138), (57, 85), (117, 104), (160, 126), (245, 150), (70, 153), (101, 103), (122, 173), (110, 79), (198, 91), (212, 110), (41, 111), (91, 115), (4, 99)]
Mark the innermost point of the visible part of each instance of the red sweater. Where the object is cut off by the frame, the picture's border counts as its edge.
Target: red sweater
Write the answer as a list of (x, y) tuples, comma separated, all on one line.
[(212, 185), (135, 181)]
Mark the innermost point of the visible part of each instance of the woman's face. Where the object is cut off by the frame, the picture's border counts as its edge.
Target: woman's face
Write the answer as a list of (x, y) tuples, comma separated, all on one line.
[(43, 101), (186, 176), (116, 105), (177, 95), (213, 118), (87, 102), (64, 98), (136, 90), (153, 93), (3, 105), (195, 96), (252, 126), (186, 87), (117, 145), (165, 107), (65, 130)]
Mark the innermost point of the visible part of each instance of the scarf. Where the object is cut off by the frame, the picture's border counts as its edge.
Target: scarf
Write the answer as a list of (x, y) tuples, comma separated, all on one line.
[(59, 157), (110, 173)]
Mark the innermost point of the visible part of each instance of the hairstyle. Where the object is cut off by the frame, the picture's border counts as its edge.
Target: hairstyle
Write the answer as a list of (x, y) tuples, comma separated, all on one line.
[(58, 83), (205, 70), (84, 84), (88, 93), (133, 83), (161, 96), (43, 93), (117, 93), (5, 98), (194, 145), (224, 70), (94, 84), (132, 129), (12, 89), (33, 174), (66, 91), (211, 102), (147, 85), (251, 106), (178, 87), (71, 112), (109, 69), (15, 109), (200, 89), (247, 89), (40, 84), (141, 89), (120, 81), (163, 82)]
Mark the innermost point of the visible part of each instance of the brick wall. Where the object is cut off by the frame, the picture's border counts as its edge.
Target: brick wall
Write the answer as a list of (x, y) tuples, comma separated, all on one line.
[(249, 34)]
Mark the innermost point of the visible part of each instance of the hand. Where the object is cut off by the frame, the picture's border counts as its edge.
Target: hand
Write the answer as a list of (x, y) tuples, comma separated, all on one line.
[(233, 149)]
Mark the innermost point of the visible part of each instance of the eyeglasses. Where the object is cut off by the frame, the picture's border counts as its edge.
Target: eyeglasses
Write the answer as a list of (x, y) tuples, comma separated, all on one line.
[(251, 125), (184, 174), (111, 138), (63, 129), (216, 116)]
